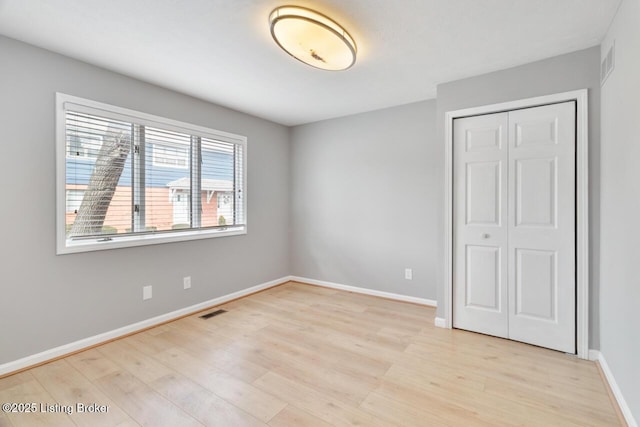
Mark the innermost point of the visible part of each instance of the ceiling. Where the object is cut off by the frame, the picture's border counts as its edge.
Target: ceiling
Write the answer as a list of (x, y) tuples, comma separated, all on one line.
[(221, 50)]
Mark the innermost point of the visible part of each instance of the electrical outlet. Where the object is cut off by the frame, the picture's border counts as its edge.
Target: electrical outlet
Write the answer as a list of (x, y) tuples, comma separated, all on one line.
[(147, 292), (187, 282), (408, 274)]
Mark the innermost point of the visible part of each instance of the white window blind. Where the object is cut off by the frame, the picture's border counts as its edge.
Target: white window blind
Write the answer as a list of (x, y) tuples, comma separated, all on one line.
[(130, 178)]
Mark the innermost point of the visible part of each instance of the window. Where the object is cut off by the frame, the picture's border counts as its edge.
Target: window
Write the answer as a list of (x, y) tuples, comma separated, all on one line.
[(127, 178)]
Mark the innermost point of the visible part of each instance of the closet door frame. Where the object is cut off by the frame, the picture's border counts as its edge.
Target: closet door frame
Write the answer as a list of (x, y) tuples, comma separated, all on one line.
[(582, 205)]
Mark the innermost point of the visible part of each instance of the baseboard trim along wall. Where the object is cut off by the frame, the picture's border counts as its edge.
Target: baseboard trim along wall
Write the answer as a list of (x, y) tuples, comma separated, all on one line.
[(365, 291), (613, 385), (86, 343), (440, 322)]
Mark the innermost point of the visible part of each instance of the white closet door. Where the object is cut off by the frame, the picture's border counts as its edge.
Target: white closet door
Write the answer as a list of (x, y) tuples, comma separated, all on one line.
[(542, 226), (514, 225), (480, 218)]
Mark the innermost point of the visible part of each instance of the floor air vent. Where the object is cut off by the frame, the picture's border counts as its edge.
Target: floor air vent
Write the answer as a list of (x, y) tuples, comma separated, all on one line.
[(213, 313)]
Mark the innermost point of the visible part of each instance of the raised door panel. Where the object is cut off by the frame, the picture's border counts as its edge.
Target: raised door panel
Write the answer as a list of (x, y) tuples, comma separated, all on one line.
[(536, 192), (538, 132), (536, 284), (483, 278), (483, 183), (483, 138)]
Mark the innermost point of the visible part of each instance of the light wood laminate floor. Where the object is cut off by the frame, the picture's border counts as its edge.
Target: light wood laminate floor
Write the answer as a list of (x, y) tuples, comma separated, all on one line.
[(300, 355)]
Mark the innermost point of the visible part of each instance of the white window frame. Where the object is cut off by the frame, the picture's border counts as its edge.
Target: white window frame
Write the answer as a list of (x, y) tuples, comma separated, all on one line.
[(66, 102)]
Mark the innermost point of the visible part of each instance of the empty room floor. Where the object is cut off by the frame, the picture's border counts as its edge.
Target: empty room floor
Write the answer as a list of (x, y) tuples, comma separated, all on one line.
[(301, 355)]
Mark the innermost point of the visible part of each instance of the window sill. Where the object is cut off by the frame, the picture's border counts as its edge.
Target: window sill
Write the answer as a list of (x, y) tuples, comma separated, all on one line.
[(90, 245)]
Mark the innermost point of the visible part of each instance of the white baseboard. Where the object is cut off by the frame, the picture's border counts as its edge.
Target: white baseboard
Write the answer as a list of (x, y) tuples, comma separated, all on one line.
[(365, 291), (73, 347), (617, 393), (440, 322)]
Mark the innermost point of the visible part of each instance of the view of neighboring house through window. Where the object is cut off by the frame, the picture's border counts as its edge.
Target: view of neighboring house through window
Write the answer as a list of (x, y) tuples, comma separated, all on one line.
[(84, 140), (128, 176), (167, 159), (170, 155), (74, 200)]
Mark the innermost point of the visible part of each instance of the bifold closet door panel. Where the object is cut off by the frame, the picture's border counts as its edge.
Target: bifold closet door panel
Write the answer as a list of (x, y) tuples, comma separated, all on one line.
[(480, 224), (541, 232)]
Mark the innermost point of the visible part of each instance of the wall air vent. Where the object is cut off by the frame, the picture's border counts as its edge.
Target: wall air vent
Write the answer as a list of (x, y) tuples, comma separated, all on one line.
[(608, 63), (213, 313)]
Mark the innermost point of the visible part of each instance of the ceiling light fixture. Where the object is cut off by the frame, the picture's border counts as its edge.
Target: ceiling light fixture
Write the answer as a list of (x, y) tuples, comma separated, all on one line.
[(312, 38)]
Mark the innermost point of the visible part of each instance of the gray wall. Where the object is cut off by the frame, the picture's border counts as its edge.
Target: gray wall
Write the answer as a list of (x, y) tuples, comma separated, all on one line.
[(48, 300), (577, 70), (365, 200), (620, 232)]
